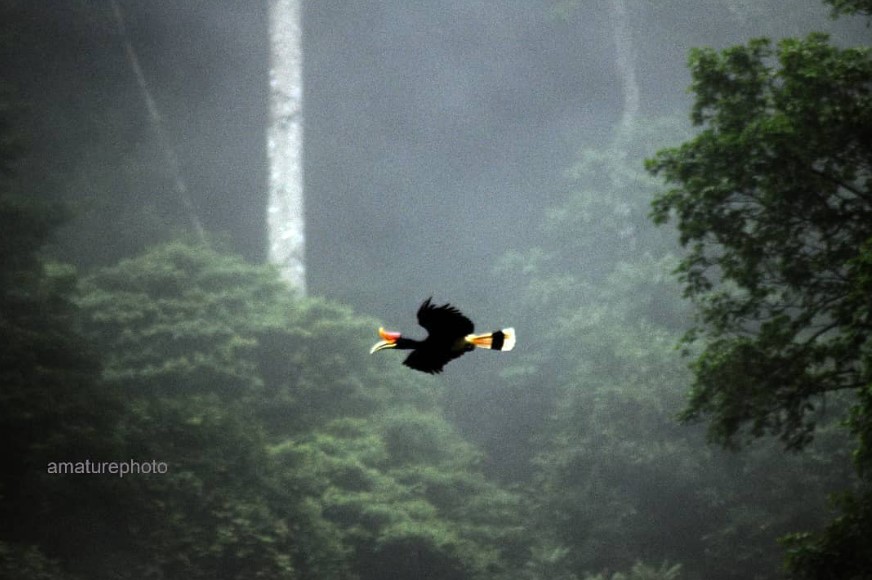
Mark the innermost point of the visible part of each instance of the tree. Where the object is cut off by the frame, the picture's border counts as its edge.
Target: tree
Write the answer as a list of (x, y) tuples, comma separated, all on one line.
[(617, 480), (292, 453), (851, 7), (176, 329), (641, 571), (53, 405), (407, 499), (772, 200), (841, 551), (285, 215)]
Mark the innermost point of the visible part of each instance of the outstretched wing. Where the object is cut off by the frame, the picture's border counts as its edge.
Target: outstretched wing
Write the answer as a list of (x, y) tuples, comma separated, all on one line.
[(444, 322)]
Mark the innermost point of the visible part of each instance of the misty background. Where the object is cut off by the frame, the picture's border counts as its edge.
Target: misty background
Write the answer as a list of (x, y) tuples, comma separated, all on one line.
[(483, 153), (436, 136)]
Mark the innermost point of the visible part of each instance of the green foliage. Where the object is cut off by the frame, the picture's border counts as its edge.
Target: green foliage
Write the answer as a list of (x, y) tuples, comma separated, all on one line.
[(176, 328), (216, 357), (174, 317), (27, 563), (618, 479), (292, 453), (772, 200), (611, 446), (548, 561), (641, 571), (851, 7), (407, 507), (186, 319), (596, 251), (53, 405), (843, 550)]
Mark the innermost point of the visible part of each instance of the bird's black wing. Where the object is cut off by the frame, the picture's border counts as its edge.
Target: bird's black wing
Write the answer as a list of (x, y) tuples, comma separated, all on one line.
[(444, 322), (430, 360), (446, 328)]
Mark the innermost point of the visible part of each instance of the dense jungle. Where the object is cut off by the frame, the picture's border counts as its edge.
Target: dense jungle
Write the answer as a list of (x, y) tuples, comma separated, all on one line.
[(669, 201)]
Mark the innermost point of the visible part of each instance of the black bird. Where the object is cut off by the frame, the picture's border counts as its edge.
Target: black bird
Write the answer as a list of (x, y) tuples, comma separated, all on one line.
[(449, 336)]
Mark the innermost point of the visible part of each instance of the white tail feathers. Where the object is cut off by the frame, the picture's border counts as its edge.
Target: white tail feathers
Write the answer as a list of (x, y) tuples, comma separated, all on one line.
[(498, 340), (508, 338)]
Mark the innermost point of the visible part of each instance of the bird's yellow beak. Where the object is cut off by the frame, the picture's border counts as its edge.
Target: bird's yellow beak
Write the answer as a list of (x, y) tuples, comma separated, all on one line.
[(389, 340)]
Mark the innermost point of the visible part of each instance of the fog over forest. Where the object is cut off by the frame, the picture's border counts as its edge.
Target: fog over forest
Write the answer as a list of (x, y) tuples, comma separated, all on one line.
[(672, 214)]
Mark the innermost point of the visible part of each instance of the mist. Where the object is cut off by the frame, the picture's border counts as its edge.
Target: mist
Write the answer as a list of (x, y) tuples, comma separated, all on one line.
[(487, 155)]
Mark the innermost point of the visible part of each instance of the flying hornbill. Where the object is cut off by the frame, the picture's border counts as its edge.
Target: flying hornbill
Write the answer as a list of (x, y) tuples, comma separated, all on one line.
[(449, 336)]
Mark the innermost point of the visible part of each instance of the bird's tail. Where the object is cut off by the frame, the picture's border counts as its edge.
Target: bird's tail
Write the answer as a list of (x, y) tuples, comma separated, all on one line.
[(498, 340)]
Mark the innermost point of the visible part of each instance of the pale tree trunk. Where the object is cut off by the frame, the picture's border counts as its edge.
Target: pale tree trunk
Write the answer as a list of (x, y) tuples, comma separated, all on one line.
[(285, 212), (164, 142), (625, 61)]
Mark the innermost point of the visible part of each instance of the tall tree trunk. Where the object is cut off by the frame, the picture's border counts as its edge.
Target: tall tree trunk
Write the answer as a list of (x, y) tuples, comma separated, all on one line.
[(164, 142), (625, 61), (285, 217)]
